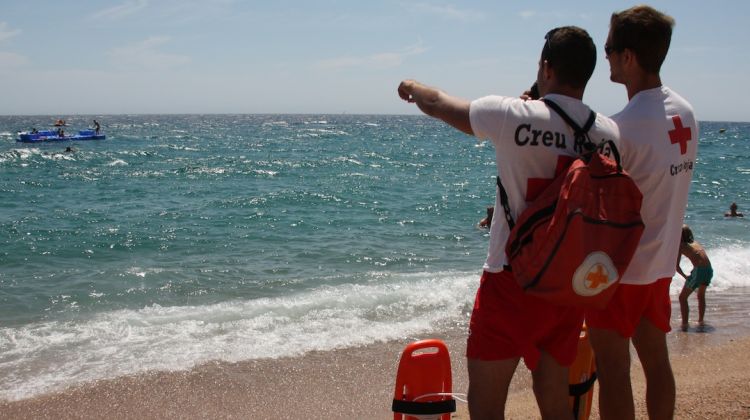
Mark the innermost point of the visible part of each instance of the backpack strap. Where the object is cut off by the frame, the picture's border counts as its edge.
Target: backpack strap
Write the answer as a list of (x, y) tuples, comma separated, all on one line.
[(504, 202), (611, 150), (583, 132), (580, 132)]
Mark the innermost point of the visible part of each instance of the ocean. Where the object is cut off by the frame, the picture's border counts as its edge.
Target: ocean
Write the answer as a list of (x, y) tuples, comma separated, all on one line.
[(183, 239)]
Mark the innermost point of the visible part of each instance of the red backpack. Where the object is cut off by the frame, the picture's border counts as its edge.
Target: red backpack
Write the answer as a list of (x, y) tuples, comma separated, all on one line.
[(575, 240)]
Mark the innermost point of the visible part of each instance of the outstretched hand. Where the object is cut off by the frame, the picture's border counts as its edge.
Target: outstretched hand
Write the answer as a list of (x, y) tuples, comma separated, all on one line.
[(436, 103), (406, 90)]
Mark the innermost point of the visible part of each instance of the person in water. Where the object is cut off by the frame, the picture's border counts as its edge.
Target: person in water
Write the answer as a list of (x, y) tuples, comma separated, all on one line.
[(487, 221), (733, 211), (699, 278)]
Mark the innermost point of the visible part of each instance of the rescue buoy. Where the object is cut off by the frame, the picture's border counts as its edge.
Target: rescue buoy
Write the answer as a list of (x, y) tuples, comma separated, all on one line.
[(581, 378), (424, 388)]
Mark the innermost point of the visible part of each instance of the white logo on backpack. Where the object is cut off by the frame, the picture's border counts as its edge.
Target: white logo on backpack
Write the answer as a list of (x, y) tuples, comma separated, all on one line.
[(595, 274)]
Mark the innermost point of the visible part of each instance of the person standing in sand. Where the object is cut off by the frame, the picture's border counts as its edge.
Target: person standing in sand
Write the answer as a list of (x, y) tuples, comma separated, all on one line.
[(700, 277), (659, 141), (530, 140)]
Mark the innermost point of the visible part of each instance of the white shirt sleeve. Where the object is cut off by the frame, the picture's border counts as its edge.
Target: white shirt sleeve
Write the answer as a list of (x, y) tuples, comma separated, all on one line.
[(487, 116)]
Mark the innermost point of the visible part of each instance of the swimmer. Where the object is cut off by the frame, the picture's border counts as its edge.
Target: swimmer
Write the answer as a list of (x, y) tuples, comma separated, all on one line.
[(487, 221), (733, 211)]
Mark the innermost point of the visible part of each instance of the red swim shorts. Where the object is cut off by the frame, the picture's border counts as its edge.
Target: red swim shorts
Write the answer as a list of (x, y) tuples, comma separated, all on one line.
[(630, 304), (507, 323)]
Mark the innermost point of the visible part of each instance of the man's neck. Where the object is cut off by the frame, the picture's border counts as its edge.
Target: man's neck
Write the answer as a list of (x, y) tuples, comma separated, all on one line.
[(643, 81)]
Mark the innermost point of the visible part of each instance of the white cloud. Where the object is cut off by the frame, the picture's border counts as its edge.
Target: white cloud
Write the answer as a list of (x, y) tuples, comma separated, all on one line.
[(379, 60), (122, 10), (6, 33), (527, 14), (447, 12), (146, 55)]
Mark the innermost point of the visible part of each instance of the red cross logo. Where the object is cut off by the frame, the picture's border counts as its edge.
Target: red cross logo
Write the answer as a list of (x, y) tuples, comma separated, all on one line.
[(597, 278), (680, 134), (535, 186)]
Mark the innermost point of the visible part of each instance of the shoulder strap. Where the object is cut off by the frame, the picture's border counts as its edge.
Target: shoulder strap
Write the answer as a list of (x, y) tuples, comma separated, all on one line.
[(607, 148), (580, 132), (505, 203), (583, 131)]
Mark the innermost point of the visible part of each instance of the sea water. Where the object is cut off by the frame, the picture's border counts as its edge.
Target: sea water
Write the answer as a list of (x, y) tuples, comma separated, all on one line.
[(182, 239)]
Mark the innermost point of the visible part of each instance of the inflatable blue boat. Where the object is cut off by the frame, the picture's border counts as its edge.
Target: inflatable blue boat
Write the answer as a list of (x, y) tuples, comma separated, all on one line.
[(51, 135)]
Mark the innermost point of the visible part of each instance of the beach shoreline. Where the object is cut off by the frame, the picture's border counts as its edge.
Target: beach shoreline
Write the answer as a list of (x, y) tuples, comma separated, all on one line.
[(358, 383)]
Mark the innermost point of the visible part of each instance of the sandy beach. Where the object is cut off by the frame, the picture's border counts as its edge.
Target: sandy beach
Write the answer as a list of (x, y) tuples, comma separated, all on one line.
[(711, 372)]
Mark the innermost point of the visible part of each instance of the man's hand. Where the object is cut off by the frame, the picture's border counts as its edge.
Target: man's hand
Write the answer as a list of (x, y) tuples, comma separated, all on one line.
[(414, 92), (435, 103), (405, 90)]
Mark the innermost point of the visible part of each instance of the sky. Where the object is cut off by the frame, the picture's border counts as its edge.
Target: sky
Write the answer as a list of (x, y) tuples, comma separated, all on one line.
[(332, 57)]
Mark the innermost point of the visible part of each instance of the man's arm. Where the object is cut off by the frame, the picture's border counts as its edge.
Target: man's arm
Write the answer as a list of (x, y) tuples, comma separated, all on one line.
[(438, 104), (679, 257)]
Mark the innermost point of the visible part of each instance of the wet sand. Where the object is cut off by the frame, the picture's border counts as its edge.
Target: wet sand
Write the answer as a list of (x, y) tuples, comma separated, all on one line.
[(711, 370)]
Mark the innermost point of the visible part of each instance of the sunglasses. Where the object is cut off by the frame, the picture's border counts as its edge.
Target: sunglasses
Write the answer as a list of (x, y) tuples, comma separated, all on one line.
[(608, 49)]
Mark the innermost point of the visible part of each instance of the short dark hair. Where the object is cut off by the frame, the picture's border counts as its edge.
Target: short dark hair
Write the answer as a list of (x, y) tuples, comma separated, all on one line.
[(571, 53), (687, 235), (645, 31)]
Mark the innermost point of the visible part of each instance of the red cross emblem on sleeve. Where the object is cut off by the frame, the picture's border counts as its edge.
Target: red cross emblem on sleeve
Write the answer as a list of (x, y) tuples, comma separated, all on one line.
[(680, 134)]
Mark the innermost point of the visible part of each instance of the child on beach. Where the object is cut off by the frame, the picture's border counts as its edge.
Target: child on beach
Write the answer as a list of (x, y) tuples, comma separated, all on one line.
[(699, 278)]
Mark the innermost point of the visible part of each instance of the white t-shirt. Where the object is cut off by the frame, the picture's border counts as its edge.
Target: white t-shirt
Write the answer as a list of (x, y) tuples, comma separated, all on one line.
[(530, 140), (658, 144)]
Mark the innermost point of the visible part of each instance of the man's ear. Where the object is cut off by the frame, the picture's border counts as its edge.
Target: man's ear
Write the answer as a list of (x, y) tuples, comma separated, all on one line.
[(547, 70), (629, 58)]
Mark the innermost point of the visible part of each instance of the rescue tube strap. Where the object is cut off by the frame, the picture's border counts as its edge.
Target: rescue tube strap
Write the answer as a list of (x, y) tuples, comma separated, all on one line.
[(576, 390), (415, 407)]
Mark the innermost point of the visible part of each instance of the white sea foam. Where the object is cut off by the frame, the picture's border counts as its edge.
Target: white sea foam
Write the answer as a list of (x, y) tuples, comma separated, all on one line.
[(117, 162), (47, 356)]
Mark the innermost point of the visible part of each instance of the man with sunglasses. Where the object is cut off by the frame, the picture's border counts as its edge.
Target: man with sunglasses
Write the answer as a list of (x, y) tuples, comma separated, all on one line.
[(658, 144), (532, 142)]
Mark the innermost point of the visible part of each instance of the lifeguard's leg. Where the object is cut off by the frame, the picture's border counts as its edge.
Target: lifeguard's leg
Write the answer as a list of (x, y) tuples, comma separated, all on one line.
[(651, 344), (612, 353), (551, 388), (488, 387)]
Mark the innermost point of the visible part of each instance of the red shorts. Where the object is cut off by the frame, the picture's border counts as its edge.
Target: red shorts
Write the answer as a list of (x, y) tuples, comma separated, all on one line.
[(508, 323), (630, 304)]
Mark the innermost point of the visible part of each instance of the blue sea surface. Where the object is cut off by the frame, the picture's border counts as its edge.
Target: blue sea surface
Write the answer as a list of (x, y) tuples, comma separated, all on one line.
[(187, 238)]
